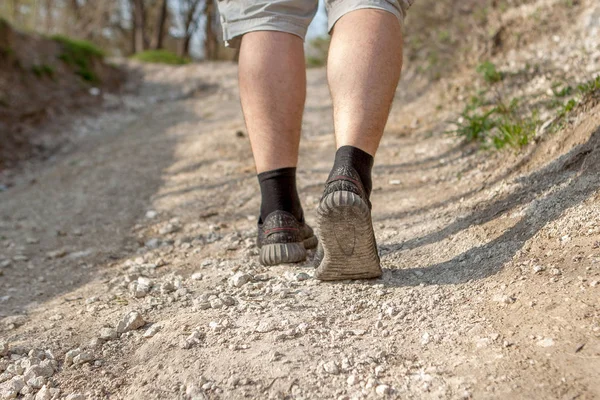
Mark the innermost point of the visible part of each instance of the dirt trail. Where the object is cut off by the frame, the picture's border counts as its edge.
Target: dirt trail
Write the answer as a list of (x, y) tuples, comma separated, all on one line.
[(491, 266)]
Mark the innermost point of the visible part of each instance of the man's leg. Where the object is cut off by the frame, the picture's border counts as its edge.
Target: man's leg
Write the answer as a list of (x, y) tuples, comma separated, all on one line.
[(272, 80), (365, 60)]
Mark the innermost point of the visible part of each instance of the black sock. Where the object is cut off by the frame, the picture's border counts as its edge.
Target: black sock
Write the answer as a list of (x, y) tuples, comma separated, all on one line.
[(362, 162), (278, 190)]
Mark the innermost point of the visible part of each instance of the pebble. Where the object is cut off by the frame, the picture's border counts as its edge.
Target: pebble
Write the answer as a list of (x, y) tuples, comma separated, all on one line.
[(331, 368), (192, 340), (546, 342), (3, 348), (108, 333), (240, 279), (383, 390), (265, 327), (70, 355), (83, 357), (75, 396), (153, 330), (352, 380), (197, 276), (132, 321)]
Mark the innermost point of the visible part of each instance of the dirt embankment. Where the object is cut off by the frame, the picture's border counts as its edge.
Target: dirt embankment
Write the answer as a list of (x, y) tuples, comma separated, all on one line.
[(42, 78)]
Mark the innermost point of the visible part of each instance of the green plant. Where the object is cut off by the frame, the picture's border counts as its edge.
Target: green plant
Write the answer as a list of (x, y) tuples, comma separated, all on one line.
[(489, 72), (589, 86), (41, 70), (79, 53), (514, 132), (159, 57), (562, 92), (474, 124)]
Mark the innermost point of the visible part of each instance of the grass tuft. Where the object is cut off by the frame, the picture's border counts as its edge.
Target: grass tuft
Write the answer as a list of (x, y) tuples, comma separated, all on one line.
[(159, 57), (489, 72), (41, 70)]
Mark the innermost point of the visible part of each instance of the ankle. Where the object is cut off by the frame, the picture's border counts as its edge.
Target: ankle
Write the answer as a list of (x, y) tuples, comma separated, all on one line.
[(357, 159), (279, 193)]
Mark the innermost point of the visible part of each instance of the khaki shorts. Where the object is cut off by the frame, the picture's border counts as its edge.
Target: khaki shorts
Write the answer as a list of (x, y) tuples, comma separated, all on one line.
[(292, 16)]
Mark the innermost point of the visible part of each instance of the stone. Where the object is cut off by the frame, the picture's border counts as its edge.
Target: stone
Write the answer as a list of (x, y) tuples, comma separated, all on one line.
[(107, 333), (3, 348), (130, 322), (331, 367), (192, 340), (352, 380), (382, 390), (36, 382), (43, 394), (70, 355), (153, 330), (83, 357), (546, 342), (239, 279), (75, 396), (197, 276)]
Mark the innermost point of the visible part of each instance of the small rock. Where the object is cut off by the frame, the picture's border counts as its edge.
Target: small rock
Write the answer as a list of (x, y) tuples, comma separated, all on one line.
[(3, 348), (108, 334), (71, 354), (382, 390), (265, 327), (150, 214), (352, 380), (83, 357), (56, 253), (197, 276), (192, 340), (153, 330), (75, 396), (331, 368), (240, 279), (546, 342), (132, 321)]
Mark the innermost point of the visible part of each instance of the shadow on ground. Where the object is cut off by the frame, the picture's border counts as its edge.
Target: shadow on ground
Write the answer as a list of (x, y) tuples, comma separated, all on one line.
[(575, 177)]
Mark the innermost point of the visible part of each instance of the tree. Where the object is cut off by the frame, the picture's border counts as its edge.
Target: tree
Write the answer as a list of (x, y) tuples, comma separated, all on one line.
[(139, 26), (190, 11), (160, 26)]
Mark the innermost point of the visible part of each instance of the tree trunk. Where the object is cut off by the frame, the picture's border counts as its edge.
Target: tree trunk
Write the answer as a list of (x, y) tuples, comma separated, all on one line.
[(49, 18), (139, 24), (160, 26), (210, 37), (185, 48)]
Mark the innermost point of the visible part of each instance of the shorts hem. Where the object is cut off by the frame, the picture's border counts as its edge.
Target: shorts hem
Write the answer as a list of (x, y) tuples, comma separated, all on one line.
[(233, 31), (344, 7)]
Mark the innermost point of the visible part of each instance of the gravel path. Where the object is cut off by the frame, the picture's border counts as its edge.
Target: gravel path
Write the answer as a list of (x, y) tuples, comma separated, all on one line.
[(128, 265)]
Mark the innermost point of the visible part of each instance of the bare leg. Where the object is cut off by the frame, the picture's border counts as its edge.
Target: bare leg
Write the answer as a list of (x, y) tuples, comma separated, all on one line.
[(363, 69), (365, 59), (273, 90)]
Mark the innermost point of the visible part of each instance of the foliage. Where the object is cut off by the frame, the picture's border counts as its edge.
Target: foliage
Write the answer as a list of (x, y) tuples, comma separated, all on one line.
[(318, 48), (489, 72), (159, 57), (589, 86), (498, 125), (79, 54), (41, 70)]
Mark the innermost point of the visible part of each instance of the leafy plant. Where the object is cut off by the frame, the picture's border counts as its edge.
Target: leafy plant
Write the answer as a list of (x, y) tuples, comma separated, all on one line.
[(160, 57), (79, 53), (489, 72), (41, 70), (590, 86), (562, 92)]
